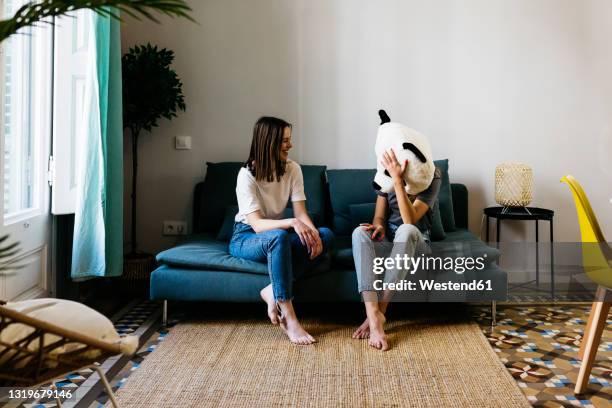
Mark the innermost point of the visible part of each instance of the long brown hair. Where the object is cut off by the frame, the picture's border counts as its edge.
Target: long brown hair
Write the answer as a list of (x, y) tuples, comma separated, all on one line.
[(264, 160)]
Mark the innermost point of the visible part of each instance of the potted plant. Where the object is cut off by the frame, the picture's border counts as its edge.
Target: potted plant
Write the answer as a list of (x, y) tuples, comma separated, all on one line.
[(35, 13), (151, 91)]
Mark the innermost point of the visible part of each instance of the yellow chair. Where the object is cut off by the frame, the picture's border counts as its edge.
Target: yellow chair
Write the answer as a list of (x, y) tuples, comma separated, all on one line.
[(597, 262)]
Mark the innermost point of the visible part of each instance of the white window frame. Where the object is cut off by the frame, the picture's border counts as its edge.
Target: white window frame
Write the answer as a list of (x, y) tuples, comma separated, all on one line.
[(2, 122), (38, 102)]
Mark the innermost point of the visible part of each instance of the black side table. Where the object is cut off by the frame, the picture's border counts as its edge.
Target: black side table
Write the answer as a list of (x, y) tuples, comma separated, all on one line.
[(527, 214)]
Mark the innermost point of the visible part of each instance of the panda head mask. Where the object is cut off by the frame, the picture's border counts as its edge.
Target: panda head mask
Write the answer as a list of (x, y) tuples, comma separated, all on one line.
[(407, 144)]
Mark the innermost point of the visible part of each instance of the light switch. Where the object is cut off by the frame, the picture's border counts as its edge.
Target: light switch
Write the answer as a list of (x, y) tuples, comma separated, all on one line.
[(182, 143)]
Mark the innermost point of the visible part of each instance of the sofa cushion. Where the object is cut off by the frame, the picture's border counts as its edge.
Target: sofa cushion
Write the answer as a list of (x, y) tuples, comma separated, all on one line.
[(437, 229), (346, 187), (214, 194), (462, 242), (445, 197), (178, 283), (343, 253), (460, 205), (218, 191), (175, 283), (361, 213), (205, 252), (315, 188), (227, 228)]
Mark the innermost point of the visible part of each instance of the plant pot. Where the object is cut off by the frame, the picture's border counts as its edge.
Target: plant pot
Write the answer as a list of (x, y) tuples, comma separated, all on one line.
[(137, 270)]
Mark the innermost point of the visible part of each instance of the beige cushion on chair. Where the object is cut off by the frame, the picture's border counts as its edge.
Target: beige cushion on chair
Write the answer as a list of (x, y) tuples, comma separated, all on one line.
[(68, 315)]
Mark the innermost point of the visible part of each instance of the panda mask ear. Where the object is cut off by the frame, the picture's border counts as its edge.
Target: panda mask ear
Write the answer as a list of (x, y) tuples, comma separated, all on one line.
[(384, 118)]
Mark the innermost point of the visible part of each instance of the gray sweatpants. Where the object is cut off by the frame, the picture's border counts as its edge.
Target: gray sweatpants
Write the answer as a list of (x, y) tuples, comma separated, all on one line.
[(406, 239)]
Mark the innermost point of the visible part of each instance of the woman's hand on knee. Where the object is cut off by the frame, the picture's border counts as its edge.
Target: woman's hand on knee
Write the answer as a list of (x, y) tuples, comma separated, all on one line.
[(377, 231), (308, 236), (318, 248)]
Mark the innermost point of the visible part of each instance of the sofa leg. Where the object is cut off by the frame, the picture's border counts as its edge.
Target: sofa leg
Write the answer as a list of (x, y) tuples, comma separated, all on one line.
[(493, 313), (165, 314)]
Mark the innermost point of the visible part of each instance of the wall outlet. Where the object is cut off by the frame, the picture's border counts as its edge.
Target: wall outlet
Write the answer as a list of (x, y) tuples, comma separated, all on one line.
[(174, 228), (182, 143)]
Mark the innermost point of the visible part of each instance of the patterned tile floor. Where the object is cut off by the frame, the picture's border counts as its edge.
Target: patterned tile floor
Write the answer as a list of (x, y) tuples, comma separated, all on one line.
[(538, 345)]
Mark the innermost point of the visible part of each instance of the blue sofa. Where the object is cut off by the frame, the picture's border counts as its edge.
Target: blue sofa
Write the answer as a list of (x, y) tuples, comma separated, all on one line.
[(201, 269)]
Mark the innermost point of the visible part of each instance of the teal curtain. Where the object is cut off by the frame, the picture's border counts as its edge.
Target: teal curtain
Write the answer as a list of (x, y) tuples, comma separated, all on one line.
[(97, 249)]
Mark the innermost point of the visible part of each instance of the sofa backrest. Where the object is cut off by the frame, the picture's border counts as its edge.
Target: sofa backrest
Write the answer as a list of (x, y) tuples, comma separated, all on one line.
[(329, 198), (218, 191), (348, 187), (351, 190)]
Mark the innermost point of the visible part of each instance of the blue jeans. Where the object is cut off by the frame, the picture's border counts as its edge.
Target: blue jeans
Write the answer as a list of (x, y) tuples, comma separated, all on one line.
[(281, 249)]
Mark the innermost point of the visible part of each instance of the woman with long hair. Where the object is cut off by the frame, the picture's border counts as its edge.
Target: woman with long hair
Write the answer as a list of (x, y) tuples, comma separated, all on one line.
[(266, 183)]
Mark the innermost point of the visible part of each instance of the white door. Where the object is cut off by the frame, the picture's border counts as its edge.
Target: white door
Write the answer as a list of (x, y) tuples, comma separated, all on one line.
[(25, 134)]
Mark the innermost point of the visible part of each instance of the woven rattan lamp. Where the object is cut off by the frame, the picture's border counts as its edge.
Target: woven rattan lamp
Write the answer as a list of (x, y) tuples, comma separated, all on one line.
[(513, 185)]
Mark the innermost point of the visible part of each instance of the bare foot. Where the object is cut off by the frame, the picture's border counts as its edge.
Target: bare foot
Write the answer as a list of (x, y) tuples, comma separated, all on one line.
[(378, 338), (295, 331), (363, 331), (267, 294)]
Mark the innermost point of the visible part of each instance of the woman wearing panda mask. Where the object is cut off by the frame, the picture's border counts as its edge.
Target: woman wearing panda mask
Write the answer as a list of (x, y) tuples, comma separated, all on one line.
[(402, 218), (265, 184)]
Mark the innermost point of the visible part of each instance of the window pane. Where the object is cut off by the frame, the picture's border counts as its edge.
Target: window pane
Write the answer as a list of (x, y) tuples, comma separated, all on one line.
[(18, 183)]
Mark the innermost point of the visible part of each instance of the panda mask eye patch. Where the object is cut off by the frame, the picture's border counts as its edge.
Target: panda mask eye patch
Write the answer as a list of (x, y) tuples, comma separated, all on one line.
[(416, 151)]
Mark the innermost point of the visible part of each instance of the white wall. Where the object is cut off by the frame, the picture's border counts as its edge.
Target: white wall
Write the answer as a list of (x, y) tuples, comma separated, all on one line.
[(486, 80)]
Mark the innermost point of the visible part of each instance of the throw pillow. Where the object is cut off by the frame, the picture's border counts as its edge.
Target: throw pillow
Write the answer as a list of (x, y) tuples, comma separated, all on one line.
[(361, 213), (68, 315), (227, 227)]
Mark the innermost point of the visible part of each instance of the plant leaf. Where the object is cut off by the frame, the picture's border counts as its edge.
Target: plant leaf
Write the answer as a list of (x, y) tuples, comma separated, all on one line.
[(34, 12)]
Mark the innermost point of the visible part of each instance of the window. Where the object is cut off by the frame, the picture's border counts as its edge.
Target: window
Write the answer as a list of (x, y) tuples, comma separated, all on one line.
[(24, 88), (73, 65)]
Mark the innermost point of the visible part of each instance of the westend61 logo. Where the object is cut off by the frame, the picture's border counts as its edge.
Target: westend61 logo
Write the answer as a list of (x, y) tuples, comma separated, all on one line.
[(410, 263), (431, 285)]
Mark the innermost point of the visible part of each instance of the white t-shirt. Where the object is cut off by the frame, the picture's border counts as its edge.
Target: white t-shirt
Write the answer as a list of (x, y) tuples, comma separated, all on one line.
[(269, 197)]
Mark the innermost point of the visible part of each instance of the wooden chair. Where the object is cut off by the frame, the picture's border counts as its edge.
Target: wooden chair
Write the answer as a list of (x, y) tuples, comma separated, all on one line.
[(24, 366), (597, 262)]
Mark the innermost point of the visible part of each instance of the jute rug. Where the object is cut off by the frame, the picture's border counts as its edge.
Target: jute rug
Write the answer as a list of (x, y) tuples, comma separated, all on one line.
[(250, 363)]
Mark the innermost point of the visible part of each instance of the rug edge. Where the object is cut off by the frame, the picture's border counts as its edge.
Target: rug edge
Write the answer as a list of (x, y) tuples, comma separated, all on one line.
[(485, 341)]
